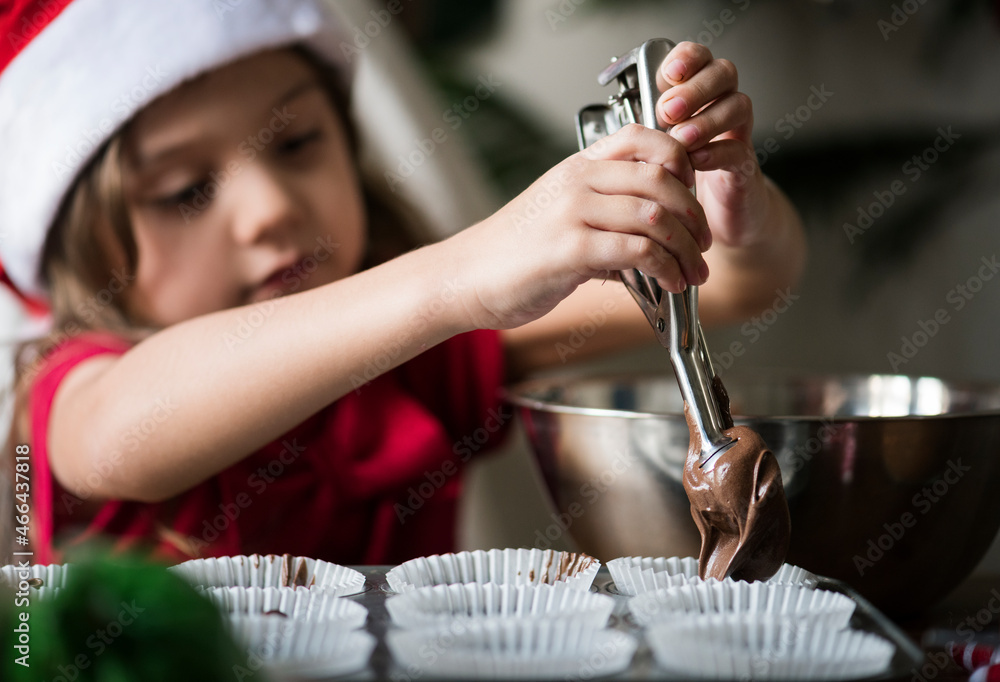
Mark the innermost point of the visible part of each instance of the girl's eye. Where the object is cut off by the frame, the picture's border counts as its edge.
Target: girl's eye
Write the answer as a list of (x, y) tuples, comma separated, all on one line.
[(187, 195), (295, 144)]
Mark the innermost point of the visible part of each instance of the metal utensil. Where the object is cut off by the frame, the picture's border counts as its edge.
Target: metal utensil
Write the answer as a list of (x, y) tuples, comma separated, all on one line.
[(674, 317)]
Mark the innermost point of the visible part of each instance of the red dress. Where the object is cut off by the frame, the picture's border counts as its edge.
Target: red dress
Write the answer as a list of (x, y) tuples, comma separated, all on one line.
[(373, 478)]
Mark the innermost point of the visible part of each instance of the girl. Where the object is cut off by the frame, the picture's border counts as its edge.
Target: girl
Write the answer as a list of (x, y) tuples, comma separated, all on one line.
[(246, 355)]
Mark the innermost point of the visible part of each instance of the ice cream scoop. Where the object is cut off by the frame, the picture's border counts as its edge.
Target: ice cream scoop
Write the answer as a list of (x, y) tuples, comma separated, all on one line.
[(732, 480)]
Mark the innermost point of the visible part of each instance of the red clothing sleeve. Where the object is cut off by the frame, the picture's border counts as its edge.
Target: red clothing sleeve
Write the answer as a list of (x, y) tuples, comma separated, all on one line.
[(373, 478), (460, 381), (52, 371)]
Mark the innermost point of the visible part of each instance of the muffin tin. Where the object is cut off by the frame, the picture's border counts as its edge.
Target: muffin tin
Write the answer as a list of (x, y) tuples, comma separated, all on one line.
[(865, 619), (621, 651)]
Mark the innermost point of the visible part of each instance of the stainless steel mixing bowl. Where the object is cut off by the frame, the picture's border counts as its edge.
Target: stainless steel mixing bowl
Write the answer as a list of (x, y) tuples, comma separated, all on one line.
[(893, 482)]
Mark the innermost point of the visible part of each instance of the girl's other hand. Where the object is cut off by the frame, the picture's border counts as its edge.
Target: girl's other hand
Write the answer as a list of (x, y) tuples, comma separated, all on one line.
[(622, 203), (713, 121)]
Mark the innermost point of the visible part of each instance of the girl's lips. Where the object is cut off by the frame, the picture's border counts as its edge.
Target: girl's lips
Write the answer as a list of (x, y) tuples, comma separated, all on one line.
[(281, 281), (278, 277)]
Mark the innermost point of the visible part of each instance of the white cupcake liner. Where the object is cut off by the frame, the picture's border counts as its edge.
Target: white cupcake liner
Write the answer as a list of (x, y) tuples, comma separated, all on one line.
[(271, 570), (636, 575), (512, 648), (53, 575), (302, 649), (440, 604), (299, 603), (766, 648), (820, 607), (501, 566)]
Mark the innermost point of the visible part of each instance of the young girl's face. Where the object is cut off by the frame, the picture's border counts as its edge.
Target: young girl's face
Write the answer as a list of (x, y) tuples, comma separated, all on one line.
[(240, 186)]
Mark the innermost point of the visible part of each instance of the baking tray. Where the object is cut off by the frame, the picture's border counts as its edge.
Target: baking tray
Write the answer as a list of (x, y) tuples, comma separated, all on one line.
[(908, 656)]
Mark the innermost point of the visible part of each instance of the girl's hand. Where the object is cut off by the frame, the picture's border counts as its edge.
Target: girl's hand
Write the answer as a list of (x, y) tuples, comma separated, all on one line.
[(713, 121), (616, 205)]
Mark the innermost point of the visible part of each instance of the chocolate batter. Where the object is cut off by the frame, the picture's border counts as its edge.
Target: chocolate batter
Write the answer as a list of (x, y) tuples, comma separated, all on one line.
[(295, 573), (570, 563), (738, 505)]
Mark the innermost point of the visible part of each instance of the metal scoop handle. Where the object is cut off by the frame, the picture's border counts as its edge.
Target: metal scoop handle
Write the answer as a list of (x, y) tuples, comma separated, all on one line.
[(674, 317)]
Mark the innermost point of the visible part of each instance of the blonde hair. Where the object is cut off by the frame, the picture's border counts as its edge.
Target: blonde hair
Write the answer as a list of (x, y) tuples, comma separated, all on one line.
[(90, 256)]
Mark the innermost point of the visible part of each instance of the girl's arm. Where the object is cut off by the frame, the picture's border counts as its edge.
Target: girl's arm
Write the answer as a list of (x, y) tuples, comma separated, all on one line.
[(215, 400), (216, 393), (758, 244)]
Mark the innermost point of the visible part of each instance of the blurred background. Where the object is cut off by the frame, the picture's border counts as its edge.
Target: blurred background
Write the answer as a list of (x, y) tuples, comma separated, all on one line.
[(879, 119)]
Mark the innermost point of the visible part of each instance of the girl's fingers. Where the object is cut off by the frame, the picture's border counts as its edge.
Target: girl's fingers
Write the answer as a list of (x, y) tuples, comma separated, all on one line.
[(734, 156), (732, 113), (681, 63), (638, 143), (680, 102), (648, 222), (618, 251), (654, 183)]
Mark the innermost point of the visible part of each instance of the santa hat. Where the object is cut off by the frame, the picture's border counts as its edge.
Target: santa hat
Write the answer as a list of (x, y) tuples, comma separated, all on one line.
[(72, 72)]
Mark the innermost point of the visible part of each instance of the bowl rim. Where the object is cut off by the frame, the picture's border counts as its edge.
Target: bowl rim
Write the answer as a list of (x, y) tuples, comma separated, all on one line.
[(517, 395)]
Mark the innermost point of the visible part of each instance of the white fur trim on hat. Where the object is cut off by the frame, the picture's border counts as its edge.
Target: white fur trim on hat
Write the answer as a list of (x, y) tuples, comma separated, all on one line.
[(98, 63)]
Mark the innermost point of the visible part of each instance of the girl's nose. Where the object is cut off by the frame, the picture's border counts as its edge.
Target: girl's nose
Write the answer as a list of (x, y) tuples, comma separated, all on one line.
[(265, 204)]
